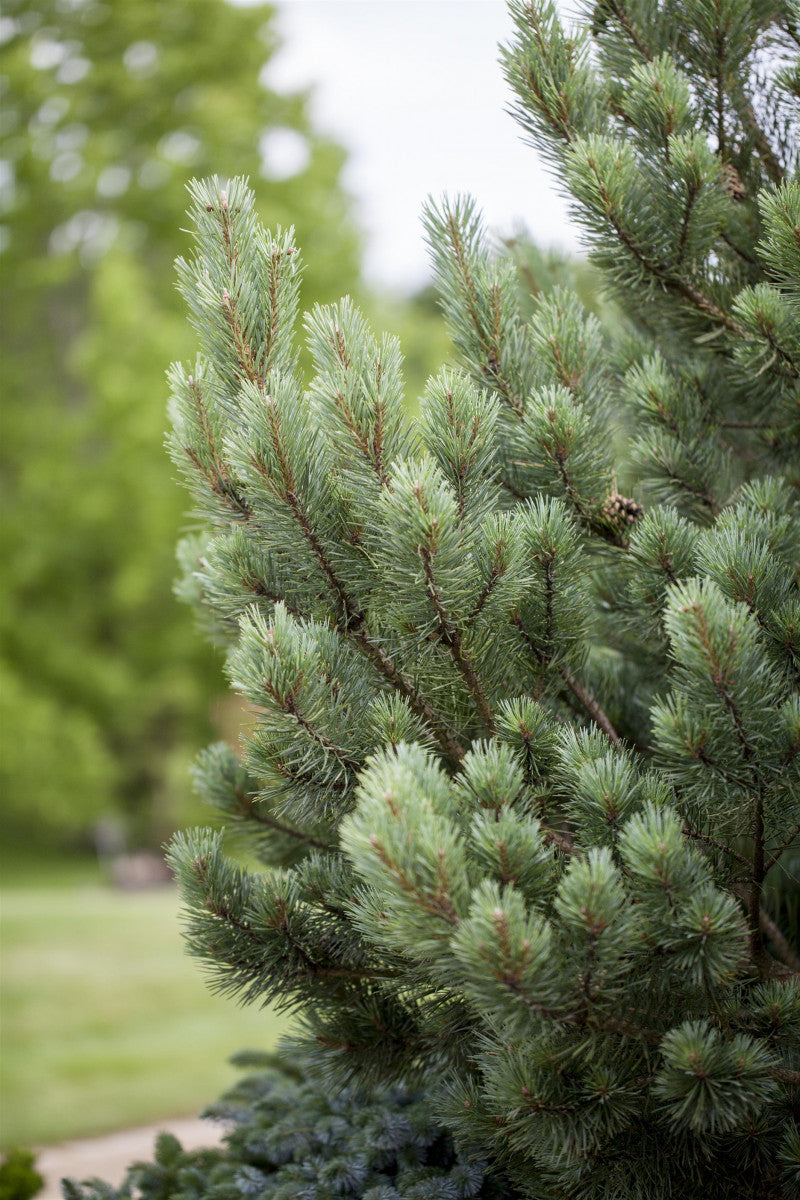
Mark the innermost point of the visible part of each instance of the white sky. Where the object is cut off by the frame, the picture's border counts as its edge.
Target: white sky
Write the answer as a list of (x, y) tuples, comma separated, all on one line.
[(413, 90)]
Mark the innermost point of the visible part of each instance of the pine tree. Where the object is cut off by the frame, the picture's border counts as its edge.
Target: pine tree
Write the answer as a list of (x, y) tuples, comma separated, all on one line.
[(524, 764)]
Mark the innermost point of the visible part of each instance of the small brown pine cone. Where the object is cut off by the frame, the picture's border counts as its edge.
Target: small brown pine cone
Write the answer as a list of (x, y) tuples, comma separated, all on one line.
[(733, 182), (621, 509)]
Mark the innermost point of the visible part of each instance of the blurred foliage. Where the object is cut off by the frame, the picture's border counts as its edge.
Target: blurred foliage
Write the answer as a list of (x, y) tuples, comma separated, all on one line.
[(107, 108), (19, 1179), (543, 269)]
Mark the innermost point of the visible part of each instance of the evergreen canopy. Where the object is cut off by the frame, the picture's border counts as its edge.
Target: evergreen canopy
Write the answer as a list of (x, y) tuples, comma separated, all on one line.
[(524, 673)]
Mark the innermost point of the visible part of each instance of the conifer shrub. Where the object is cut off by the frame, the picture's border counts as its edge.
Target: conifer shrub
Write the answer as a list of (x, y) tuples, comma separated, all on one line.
[(523, 780), (288, 1138)]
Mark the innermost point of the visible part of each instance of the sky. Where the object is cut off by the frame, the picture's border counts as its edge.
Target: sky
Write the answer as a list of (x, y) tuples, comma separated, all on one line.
[(413, 90)]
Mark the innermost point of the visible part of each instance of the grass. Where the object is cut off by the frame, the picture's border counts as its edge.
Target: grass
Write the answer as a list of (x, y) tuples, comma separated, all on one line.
[(105, 1021)]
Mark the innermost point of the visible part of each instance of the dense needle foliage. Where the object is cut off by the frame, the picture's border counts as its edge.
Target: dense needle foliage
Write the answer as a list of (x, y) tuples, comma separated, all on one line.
[(524, 764), (288, 1139)]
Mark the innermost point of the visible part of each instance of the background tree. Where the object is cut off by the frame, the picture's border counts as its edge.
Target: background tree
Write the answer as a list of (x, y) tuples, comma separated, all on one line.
[(104, 688)]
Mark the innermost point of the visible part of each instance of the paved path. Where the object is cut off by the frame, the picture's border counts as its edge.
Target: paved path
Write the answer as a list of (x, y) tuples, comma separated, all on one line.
[(109, 1156)]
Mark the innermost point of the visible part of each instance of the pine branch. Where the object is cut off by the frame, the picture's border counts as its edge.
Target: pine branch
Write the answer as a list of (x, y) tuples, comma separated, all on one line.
[(584, 697), (778, 351), (351, 620), (589, 514), (305, 778), (589, 704), (561, 125), (719, 680), (451, 640), (489, 341), (562, 840), (245, 354), (626, 23), (308, 965), (747, 425), (757, 885), (247, 357), (481, 913), (229, 495), (744, 109), (691, 832), (218, 477), (288, 704), (747, 116), (787, 842), (779, 941), (524, 268), (719, 81), (437, 905), (792, 28), (493, 578), (677, 286), (569, 486), (251, 812), (450, 746), (704, 495), (260, 589), (371, 450), (750, 259), (691, 199)]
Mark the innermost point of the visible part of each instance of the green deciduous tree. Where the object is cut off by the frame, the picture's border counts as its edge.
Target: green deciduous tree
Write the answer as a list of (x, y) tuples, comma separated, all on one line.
[(526, 753), (105, 107)]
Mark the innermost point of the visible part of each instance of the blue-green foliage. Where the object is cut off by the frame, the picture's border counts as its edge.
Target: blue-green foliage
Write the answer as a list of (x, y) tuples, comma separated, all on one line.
[(287, 1138)]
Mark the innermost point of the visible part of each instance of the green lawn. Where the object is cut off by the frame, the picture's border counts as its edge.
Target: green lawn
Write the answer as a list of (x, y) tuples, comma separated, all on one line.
[(105, 1021)]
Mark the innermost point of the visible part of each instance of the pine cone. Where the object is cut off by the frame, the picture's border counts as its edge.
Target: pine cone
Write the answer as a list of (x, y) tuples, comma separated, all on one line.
[(733, 182), (620, 510)]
